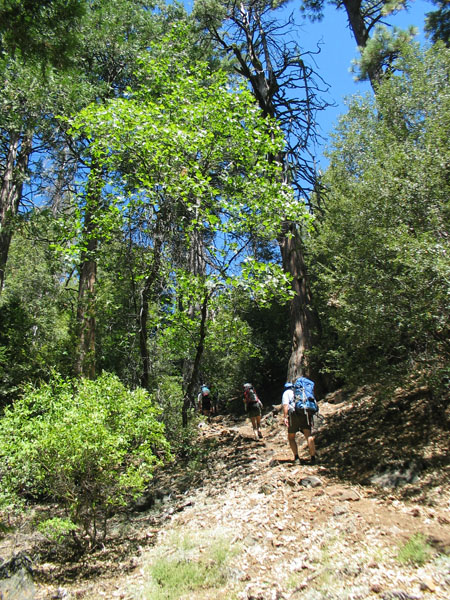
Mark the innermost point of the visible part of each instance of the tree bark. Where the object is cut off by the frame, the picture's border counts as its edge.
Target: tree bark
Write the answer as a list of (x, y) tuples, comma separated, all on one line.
[(304, 322), (143, 332), (191, 369), (86, 308), (86, 319), (361, 33), (16, 165)]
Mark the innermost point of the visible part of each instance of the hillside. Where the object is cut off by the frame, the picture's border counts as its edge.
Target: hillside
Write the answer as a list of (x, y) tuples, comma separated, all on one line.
[(243, 522)]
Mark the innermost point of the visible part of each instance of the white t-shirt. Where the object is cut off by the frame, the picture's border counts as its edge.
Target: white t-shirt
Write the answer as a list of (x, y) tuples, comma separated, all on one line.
[(288, 397)]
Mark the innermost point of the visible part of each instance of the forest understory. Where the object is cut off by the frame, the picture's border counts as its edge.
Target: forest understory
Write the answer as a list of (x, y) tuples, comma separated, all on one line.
[(241, 521)]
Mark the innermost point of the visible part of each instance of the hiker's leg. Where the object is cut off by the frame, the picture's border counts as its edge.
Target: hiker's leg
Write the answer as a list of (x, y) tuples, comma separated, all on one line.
[(310, 441), (258, 425), (255, 426), (293, 444)]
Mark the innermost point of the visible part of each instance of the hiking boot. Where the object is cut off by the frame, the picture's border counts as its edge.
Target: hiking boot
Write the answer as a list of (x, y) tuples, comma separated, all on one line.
[(296, 460), (313, 460), (260, 434)]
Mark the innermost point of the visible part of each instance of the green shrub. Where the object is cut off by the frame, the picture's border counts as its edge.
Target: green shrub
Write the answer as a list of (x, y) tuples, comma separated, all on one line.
[(416, 551), (89, 445), (56, 529), (169, 395)]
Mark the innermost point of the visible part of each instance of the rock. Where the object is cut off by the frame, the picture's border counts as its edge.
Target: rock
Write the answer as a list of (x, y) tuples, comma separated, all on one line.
[(339, 510), (238, 575), (290, 482), (16, 563), (144, 503), (297, 564), (280, 458), (317, 500), (397, 475), (399, 595), (19, 586), (350, 495), (427, 585), (266, 488), (311, 481), (16, 581), (335, 397)]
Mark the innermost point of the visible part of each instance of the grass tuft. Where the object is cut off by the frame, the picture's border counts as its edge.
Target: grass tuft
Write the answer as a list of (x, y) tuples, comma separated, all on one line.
[(416, 551), (187, 565)]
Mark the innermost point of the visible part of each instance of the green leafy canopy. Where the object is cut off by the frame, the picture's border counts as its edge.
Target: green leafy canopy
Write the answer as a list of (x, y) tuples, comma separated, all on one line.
[(190, 139)]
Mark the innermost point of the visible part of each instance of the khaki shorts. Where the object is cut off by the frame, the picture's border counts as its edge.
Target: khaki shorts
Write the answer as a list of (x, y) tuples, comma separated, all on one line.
[(299, 422)]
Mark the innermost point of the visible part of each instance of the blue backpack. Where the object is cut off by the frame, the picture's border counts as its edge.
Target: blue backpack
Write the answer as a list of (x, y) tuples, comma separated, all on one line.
[(304, 396)]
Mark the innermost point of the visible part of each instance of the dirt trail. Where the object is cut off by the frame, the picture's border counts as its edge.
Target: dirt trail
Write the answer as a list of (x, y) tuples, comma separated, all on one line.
[(303, 531)]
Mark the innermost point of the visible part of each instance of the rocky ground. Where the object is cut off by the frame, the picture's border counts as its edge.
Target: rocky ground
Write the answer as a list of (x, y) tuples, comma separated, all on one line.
[(330, 531)]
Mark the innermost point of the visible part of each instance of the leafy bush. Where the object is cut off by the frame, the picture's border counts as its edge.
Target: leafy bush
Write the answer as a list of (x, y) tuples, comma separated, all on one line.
[(56, 529), (90, 445), (169, 395)]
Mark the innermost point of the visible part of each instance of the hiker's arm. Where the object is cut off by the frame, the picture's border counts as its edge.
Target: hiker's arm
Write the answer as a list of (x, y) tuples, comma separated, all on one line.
[(286, 413)]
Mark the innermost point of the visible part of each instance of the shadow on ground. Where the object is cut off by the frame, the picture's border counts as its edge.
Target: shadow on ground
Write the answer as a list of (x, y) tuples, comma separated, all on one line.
[(388, 441)]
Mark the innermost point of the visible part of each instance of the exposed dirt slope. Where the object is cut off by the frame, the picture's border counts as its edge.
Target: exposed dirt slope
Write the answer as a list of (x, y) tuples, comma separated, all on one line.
[(332, 530)]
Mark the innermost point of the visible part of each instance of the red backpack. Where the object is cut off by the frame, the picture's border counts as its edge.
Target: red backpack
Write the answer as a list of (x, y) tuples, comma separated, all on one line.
[(250, 394)]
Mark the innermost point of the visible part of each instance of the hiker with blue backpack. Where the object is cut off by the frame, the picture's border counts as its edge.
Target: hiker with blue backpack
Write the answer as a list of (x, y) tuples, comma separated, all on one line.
[(253, 408), (299, 407)]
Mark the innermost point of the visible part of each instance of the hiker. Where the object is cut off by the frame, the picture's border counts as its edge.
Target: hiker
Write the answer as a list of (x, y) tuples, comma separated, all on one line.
[(297, 421), (204, 401), (253, 408)]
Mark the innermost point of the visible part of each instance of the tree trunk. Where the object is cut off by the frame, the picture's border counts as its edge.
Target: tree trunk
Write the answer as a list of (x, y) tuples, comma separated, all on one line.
[(361, 34), (146, 294), (85, 360), (265, 64), (142, 323), (16, 165), (86, 309), (304, 322), (190, 389), (191, 369)]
